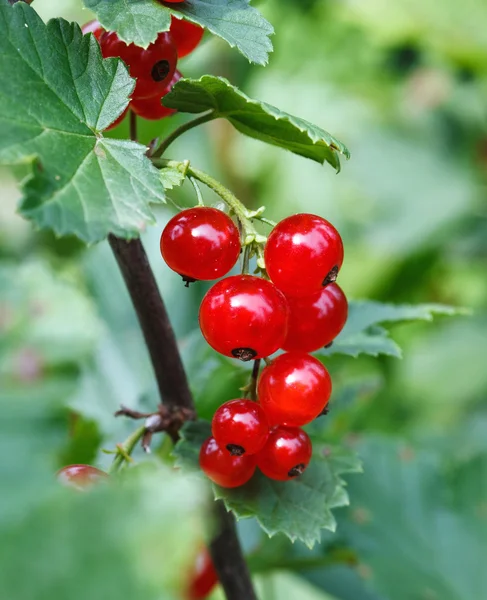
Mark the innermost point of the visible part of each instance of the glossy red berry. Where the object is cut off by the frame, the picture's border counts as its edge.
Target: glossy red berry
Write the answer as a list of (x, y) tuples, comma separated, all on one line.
[(153, 68), (151, 108), (93, 27), (118, 120), (186, 36), (203, 578), (286, 454), (303, 254), (80, 477), (294, 389), (240, 426), (315, 321), (200, 243), (245, 317), (222, 467)]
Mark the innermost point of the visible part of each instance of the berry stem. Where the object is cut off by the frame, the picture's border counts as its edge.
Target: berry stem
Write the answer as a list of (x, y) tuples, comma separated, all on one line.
[(125, 449), (253, 380), (204, 118), (197, 191), (227, 196), (133, 125)]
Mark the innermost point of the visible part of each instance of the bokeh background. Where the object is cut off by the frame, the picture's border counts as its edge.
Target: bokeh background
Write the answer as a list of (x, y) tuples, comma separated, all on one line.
[(404, 86)]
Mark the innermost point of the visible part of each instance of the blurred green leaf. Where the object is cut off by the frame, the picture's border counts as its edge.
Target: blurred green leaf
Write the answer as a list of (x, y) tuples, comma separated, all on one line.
[(299, 508), (235, 21), (131, 538), (256, 119), (362, 335), (401, 521), (80, 181), (48, 327)]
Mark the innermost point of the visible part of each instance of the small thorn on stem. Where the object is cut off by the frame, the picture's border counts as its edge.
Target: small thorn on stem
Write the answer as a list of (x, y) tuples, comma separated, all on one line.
[(297, 470), (244, 354), (235, 450), (331, 277)]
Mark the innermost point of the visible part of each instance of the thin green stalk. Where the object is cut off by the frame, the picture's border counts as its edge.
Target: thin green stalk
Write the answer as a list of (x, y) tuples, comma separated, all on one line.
[(302, 563), (126, 449), (204, 118), (226, 195)]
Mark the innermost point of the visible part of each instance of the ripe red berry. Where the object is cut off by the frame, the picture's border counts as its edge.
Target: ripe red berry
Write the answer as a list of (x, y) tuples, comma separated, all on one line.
[(203, 577), (151, 108), (118, 120), (303, 254), (245, 317), (186, 36), (222, 467), (294, 389), (80, 477), (93, 27), (240, 426), (315, 321), (153, 68), (200, 243), (286, 454)]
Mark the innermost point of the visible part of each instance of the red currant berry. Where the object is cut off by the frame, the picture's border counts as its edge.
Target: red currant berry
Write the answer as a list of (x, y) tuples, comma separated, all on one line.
[(118, 120), (245, 317), (315, 321), (186, 36), (151, 108), (93, 27), (222, 467), (286, 454), (203, 578), (294, 389), (200, 243), (153, 68), (240, 426), (303, 254), (80, 477)]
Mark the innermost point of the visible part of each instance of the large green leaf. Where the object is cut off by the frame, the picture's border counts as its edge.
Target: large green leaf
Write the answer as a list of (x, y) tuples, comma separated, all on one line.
[(413, 540), (127, 539), (363, 335), (57, 95), (235, 21), (256, 119), (300, 508)]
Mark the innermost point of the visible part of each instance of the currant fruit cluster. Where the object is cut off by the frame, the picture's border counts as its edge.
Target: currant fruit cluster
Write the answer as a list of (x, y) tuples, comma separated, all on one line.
[(300, 310), (153, 68)]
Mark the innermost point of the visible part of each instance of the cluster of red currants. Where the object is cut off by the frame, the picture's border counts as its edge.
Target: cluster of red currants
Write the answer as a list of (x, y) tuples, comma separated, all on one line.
[(153, 68), (247, 317)]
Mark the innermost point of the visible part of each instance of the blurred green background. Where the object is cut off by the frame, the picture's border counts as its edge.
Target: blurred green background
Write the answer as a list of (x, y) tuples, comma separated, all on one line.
[(404, 86)]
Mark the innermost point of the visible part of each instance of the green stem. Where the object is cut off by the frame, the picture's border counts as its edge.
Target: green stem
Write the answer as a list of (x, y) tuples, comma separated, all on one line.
[(303, 563), (204, 118), (227, 196), (127, 448)]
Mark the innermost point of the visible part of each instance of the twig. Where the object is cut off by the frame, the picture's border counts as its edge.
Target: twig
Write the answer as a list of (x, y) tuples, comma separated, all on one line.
[(228, 558), (204, 118)]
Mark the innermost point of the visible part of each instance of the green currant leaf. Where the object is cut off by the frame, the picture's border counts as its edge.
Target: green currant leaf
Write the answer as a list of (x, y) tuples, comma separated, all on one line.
[(171, 177), (235, 21), (256, 119), (363, 335), (48, 327), (133, 536), (418, 519), (299, 508), (81, 183)]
